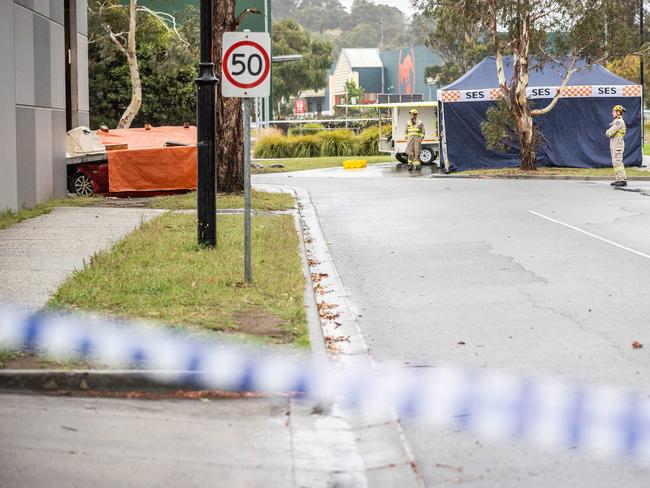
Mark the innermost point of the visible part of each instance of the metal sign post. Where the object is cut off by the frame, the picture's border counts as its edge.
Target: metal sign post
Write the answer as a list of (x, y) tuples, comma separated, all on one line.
[(248, 268), (246, 65)]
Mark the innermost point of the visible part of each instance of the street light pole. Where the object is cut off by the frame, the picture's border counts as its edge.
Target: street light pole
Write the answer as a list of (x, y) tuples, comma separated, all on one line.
[(641, 69), (205, 120)]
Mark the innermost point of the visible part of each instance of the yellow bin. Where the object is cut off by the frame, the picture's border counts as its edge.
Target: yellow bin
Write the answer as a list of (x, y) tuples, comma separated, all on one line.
[(354, 163)]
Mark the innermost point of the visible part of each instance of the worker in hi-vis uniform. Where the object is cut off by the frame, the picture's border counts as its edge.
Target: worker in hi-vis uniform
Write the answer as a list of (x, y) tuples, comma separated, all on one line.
[(616, 133), (414, 136)]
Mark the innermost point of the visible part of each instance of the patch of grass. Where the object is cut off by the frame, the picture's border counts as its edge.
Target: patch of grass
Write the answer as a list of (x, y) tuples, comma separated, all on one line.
[(553, 172), (260, 200), (646, 149), (159, 272), (6, 356), (300, 164), (9, 218)]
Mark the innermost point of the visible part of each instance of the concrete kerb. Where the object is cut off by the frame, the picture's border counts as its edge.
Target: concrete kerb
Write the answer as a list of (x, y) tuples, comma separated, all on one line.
[(537, 177), (347, 347)]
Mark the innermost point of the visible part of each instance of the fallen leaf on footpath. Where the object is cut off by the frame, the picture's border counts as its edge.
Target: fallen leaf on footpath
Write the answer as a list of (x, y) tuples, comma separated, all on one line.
[(461, 343), (317, 277), (322, 290), (331, 339), (637, 345), (312, 262), (324, 306), (329, 316)]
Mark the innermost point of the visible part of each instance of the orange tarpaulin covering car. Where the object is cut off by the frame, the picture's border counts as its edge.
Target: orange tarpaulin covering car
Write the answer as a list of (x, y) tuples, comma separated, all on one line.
[(147, 165)]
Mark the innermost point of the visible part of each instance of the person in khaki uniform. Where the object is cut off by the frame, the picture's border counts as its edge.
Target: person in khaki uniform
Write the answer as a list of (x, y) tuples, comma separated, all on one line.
[(616, 133), (414, 136)]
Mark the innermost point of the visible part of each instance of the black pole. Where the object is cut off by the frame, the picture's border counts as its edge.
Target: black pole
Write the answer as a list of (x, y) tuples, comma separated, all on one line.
[(641, 70), (205, 120), (641, 47)]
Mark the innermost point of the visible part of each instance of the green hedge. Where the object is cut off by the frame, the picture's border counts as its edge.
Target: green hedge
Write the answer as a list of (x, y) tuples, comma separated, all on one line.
[(340, 142)]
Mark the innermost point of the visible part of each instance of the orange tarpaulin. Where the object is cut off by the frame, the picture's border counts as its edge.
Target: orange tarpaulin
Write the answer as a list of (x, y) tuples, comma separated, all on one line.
[(147, 165)]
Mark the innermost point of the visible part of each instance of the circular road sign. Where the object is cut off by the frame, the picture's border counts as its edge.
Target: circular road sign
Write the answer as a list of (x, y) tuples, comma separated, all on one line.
[(246, 64)]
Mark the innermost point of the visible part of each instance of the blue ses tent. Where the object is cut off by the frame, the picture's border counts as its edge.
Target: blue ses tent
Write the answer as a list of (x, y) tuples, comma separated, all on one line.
[(572, 133)]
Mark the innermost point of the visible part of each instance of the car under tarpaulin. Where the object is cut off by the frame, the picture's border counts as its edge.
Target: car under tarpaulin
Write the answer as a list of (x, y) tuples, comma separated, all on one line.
[(156, 159), (572, 133)]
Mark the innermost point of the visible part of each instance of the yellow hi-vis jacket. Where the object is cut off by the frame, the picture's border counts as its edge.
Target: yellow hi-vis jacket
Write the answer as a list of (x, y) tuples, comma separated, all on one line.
[(414, 129), (617, 128)]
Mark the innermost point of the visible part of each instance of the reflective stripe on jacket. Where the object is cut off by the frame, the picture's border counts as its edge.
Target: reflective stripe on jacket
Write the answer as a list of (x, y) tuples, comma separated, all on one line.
[(414, 129)]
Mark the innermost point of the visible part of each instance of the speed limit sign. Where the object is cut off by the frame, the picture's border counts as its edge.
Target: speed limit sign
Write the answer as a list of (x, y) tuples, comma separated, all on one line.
[(246, 64)]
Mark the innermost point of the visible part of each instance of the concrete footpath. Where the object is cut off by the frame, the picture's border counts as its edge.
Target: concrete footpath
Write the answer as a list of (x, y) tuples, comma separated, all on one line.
[(167, 439), (38, 254)]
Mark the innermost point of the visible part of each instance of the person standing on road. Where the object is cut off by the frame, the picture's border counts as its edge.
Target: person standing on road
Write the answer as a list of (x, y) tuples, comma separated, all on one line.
[(414, 136), (616, 133)]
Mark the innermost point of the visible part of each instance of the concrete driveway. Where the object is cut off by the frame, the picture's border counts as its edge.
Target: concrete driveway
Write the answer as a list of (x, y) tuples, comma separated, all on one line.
[(538, 278)]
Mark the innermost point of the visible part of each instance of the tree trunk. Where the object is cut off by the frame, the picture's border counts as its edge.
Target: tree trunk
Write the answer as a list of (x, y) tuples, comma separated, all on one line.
[(229, 143), (526, 141), (132, 59), (524, 120)]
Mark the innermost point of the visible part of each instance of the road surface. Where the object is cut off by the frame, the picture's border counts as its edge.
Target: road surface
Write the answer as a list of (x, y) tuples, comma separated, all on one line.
[(536, 278)]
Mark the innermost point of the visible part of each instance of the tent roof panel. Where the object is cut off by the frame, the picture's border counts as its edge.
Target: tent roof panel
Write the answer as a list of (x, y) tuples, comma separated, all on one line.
[(484, 75)]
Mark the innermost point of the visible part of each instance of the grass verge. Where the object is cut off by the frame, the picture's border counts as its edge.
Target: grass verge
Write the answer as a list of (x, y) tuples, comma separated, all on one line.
[(260, 200), (159, 272), (300, 164), (552, 172)]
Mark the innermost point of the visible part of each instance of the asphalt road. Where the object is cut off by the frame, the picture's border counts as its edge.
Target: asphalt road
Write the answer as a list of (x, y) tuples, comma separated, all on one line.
[(538, 278)]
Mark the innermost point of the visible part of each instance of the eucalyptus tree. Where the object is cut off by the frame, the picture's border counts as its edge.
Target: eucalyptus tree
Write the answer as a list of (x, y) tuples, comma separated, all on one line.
[(534, 32)]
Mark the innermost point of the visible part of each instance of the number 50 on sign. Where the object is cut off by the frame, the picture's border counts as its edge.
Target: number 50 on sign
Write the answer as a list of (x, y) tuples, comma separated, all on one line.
[(246, 64)]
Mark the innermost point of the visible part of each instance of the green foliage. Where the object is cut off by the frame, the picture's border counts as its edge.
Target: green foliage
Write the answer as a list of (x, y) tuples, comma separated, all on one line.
[(308, 128), (273, 147), (369, 141), (498, 128), (339, 142), (361, 27), (291, 78), (308, 146), (167, 69), (353, 92)]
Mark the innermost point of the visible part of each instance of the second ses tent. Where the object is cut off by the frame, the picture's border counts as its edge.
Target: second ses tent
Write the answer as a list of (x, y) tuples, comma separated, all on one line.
[(572, 133)]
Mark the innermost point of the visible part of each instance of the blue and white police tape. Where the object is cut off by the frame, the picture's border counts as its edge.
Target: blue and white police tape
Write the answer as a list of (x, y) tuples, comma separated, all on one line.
[(606, 422)]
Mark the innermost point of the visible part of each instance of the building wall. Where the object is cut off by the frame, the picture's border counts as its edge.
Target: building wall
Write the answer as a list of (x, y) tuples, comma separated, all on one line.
[(342, 73), (33, 97), (405, 70), (370, 79)]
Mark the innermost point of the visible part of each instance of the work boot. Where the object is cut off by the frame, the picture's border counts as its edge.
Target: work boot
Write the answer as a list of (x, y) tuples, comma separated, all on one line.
[(619, 183)]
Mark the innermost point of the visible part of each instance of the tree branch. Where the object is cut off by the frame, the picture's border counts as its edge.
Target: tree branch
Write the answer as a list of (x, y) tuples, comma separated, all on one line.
[(239, 19), (163, 18)]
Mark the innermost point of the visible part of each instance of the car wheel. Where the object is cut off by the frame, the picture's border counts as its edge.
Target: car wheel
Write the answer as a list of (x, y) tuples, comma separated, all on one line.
[(82, 185), (426, 155)]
